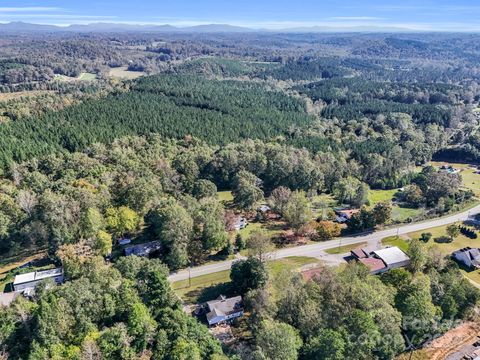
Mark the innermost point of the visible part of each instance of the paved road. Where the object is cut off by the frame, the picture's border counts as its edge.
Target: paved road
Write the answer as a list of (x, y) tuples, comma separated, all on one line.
[(318, 250)]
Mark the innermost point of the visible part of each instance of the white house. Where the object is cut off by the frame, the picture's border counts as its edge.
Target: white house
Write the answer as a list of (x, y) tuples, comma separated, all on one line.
[(393, 257), (468, 256), (28, 282), (223, 310), (240, 223)]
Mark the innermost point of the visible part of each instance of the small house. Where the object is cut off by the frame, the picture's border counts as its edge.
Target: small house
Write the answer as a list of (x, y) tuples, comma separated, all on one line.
[(28, 282), (468, 257), (264, 208), (240, 223), (144, 250), (343, 215), (224, 310)]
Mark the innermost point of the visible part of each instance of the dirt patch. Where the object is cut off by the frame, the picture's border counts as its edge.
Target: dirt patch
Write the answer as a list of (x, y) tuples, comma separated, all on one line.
[(453, 341)]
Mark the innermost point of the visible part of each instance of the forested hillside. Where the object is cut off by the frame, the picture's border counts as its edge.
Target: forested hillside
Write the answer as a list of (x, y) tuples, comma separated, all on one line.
[(170, 105)]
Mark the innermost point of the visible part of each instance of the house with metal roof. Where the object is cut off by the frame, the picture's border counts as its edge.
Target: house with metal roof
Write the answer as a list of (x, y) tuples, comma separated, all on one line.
[(27, 282), (224, 309), (393, 257), (470, 257)]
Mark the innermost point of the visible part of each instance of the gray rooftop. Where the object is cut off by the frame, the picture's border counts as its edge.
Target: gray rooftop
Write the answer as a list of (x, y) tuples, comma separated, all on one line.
[(37, 276), (223, 306), (391, 255)]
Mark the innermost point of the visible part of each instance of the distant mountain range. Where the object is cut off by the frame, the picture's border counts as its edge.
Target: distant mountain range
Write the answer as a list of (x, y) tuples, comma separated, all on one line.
[(210, 28)]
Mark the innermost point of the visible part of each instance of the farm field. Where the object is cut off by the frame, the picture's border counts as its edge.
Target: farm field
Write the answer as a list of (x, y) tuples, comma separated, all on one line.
[(124, 73)]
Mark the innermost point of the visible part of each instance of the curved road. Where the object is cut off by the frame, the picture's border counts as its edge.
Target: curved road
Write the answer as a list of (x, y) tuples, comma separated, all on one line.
[(318, 250)]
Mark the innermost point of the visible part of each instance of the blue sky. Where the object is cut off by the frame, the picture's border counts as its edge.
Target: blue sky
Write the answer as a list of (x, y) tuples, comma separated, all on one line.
[(440, 15)]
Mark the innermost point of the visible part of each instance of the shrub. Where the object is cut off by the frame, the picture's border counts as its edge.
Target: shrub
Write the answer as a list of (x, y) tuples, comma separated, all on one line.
[(470, 233), (425, 237), (443, 240)]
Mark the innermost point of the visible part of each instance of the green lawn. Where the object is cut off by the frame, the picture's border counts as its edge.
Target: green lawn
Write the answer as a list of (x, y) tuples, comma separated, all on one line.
[(271, 229), (377, 196), (460, 242), (344, 249), (395, 241), (225, 196), (212, 285), (447, 249), (402, 214)]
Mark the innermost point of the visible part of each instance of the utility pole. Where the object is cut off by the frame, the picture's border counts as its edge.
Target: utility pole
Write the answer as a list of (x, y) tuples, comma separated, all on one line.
[(189, 277)]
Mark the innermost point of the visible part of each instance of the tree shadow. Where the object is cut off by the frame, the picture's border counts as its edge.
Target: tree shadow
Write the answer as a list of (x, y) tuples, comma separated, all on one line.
[(211, 293)]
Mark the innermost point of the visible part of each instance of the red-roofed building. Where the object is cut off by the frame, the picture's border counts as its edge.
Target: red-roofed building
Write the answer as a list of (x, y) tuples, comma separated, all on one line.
[(359, 253), (376, 266)]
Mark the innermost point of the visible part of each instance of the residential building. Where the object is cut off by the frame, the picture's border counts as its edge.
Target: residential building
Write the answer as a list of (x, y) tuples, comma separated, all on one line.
[(468, 256), (343, 215), (146, 249), (240, 223), (224, 309), (264, 208), (28, 282)]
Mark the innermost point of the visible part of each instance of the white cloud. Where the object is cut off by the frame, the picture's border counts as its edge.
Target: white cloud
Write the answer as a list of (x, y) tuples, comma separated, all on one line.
[(28, 9), (355, 18)]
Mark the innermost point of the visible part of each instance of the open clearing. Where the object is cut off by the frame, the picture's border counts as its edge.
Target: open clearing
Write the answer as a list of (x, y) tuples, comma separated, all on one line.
[(81, 77), (24, 94), (124, 73), (191, 291)]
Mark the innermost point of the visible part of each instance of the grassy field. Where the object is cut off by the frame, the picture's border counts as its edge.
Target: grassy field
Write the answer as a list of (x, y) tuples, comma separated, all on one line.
[(271, 229), (344, 249), (81, 77), (124, 73), (402, 214), (212, 285), (460, 242), (24, 94), (377, 196), (395, 241)]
